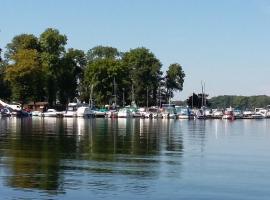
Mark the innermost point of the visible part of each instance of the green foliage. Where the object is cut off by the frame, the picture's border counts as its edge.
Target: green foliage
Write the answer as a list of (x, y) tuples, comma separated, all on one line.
[(242, 102), (145, 73), (20, 42), (101, 74), (38, 69), (102, 52), (198, 100), (25, 75), (52, 45), (174, 79), (4, 85), (52, 42)]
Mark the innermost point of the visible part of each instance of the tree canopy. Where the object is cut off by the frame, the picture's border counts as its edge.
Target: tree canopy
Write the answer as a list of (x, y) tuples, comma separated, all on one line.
[(43, 69)]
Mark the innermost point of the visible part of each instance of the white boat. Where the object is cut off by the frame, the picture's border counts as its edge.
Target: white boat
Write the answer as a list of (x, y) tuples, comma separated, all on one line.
[(71, 110), (51, 113), (36, 113), (261, 111), (182, 112), (124, 113), (168, 111), (84, 111), (257, 116), (217, 114), (154, 112)]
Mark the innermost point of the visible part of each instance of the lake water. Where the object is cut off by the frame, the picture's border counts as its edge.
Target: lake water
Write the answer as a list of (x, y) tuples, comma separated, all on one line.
[(55, 158)]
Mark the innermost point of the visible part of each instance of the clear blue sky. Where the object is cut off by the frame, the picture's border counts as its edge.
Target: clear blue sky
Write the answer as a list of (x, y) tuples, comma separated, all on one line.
[(226, 43)]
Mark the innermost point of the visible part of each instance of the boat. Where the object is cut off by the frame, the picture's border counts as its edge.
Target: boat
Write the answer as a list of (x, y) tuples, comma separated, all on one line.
[(200, 114), (5, 112), (154, 112), (182, 112), (217, 114), (100, 113), (238, 114), (228, 114), (36, 113), (168, 111), (84, 111), (124, 113), (52, 113), (71, 110)]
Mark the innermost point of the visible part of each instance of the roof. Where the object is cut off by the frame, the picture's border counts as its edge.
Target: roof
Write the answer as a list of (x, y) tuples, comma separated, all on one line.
[(37, 103)]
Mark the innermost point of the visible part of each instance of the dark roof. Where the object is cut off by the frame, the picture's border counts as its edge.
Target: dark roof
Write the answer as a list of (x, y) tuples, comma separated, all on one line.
[(38, 103)]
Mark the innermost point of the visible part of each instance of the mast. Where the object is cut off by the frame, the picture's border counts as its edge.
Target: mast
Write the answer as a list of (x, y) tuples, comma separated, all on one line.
[(202, 94), (132, 94), (90, 97), (114, 91), (147, 97)]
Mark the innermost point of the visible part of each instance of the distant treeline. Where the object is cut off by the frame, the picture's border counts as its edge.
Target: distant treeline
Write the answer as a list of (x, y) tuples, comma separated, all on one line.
[(41, 68), (225, 101), (241, 102)]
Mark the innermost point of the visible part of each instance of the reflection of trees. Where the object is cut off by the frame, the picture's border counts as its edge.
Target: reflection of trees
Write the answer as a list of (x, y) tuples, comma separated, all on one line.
[(35, 149), (123, 136), (39, 149)]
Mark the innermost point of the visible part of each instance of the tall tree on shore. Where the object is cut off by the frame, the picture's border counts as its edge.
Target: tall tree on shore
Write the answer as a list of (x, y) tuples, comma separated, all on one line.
[(21, 42), (105, 72), (25, 75), (145, 74), (174, 79), (69, 75), (52, 45)]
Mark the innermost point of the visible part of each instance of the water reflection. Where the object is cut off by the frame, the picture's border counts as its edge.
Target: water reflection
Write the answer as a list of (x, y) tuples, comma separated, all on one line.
[(46, 153)]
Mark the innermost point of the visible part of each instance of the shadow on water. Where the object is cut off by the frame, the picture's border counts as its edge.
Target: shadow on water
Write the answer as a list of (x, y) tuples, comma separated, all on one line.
[(49, 153)]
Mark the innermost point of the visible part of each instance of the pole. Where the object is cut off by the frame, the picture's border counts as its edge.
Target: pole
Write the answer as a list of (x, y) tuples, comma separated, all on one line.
[(147, 96), (114, 88), (123, 97)]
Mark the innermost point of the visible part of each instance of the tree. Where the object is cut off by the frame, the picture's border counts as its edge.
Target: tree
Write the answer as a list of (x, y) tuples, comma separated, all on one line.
[(25, 76), (69, 75), (145, 74), (21, 42), (52, 45), (102, 52), (174, 79), (102, 74), (198, 100), (4, 85), (107, 74)]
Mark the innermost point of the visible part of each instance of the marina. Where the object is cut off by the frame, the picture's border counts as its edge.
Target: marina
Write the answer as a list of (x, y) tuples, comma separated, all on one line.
[(101, 158)]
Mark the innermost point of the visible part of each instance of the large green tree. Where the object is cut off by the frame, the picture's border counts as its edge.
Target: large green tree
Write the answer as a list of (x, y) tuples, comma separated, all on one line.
[(20, 42), (145, 74), (69, 75), (52, 45), (107, 74), (25, 75), (174, 79)]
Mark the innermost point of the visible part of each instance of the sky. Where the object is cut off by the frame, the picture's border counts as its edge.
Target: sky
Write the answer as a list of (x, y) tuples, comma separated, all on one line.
[(224, 43)]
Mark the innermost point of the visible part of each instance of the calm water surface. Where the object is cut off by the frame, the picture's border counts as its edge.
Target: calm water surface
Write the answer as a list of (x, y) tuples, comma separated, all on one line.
[(134, 159)]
